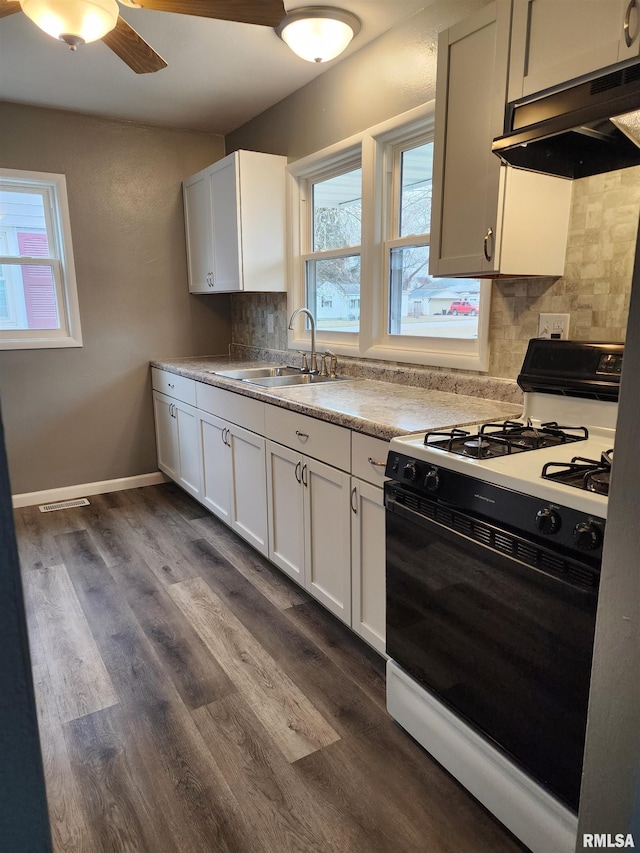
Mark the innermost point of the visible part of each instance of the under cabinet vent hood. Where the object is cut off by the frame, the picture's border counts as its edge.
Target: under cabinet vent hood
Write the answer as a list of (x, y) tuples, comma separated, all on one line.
[(570, 131)]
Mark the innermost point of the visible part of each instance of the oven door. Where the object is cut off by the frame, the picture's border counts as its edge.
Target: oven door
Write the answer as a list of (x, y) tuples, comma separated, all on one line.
[(503, 644)]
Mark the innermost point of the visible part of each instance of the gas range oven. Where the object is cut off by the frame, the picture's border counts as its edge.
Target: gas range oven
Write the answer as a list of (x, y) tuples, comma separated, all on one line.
[(494, 537)]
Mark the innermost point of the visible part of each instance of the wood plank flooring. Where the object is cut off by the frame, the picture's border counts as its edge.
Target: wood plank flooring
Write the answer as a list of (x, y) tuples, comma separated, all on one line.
[(192, 699)]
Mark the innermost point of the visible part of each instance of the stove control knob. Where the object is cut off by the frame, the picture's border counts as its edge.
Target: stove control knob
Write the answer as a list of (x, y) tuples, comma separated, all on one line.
[(432, 480), (587, 535), (548, 521), (410, 472)]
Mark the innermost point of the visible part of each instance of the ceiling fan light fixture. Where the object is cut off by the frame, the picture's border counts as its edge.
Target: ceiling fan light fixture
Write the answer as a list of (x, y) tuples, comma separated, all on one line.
[(73, 21), (318, 33)]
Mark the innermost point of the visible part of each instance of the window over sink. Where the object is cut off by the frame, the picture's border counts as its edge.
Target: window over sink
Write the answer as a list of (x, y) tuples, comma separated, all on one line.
[(360, 252)]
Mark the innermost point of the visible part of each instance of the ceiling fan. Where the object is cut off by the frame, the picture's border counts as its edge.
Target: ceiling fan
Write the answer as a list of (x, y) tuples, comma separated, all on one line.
[(120, 37)]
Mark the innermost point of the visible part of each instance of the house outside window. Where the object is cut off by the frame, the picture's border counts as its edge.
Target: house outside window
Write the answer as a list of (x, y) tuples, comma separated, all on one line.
[(38, 296), (368, 252)]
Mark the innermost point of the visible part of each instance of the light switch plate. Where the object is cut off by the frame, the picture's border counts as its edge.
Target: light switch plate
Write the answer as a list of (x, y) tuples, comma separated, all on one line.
[(554, 326)]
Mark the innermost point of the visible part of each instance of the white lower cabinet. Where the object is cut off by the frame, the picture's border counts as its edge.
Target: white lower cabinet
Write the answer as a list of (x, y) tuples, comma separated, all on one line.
[(177, 441), (368, 563), (309, 532), (233, 478), (305, 493)]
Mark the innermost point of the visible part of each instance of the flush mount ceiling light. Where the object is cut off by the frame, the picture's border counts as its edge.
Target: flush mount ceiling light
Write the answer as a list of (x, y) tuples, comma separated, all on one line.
[(73, 21), (318, 33)]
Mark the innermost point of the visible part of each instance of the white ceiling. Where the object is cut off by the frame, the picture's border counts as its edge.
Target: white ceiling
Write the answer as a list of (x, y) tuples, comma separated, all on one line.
[(220, 74)]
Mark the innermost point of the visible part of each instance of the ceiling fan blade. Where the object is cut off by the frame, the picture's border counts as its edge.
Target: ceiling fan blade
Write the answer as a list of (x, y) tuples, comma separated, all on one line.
[(267, 13), (125, 42), (9, 7)]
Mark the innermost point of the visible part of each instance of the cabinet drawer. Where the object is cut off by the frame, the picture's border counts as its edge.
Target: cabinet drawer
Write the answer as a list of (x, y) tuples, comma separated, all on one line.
[(327, 442), (234, 408), (368, 458), (173, 385)]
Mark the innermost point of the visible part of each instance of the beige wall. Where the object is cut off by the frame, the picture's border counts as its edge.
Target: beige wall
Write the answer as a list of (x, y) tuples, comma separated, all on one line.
[(82, 415)]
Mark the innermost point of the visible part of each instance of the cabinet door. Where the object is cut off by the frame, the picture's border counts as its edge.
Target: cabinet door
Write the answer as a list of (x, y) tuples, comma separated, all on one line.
[(249, 487), (285, 510), (186, 418), (327, 536), (166, 435), (470, 103), (554, 42), (197, 216), (216, 466), (368, 587), (226, 225)]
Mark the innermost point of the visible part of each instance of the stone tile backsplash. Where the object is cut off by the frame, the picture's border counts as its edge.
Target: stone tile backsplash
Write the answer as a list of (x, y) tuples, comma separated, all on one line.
[(594, 290)]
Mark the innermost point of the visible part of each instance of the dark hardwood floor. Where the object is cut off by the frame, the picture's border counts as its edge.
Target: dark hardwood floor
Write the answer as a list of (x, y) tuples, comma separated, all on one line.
[(191, 698)]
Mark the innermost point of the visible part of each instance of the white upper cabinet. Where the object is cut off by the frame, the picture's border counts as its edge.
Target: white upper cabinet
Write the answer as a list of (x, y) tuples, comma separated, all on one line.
[(235, 224), (553, 41), (485, 219)]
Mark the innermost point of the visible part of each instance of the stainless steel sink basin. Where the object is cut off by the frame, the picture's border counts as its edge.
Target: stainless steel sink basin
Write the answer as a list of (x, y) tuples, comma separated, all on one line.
[(258, 372), (298, 379)]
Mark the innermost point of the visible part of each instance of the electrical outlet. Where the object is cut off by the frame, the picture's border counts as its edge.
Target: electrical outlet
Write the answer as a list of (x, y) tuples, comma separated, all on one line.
[(554, 326), (269, 323)]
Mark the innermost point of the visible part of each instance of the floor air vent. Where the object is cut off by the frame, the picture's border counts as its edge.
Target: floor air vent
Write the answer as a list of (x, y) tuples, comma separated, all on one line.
[(63, 505)]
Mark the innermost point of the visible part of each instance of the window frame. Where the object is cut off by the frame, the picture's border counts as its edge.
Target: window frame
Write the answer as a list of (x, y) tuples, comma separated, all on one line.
[(378, 148), (301, 175), (60, 260)]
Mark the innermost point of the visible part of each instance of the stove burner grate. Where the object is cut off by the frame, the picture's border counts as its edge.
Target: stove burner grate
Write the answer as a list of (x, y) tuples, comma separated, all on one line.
[(501, 439), (588, 474)]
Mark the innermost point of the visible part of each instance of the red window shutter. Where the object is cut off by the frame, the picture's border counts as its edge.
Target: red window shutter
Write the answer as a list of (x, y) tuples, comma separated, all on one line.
[(38, 283)]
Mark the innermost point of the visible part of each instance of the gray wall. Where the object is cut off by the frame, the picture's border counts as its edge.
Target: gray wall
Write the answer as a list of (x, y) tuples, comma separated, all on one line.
[(393, 74), (82, 415)]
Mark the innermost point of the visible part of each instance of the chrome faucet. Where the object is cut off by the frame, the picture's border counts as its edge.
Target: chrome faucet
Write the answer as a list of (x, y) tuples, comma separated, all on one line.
[(314, 362)]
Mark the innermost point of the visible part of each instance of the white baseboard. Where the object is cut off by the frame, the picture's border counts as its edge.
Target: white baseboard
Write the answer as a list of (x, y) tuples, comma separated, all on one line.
[(83, 489)]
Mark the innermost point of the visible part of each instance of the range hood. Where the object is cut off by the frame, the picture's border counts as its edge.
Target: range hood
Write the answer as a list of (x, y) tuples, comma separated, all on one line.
[(568, 130)]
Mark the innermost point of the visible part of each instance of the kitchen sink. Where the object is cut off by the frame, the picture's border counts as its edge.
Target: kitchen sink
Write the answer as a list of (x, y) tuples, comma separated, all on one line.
[(295, 379), (250, 373)]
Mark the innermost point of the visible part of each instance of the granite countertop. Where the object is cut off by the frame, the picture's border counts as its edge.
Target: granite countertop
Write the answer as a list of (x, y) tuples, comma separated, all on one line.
[(380, 409)]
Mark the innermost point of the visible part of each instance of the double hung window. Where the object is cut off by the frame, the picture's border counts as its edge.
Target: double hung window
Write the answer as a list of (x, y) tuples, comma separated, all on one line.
[(38, 298), (361, 253)]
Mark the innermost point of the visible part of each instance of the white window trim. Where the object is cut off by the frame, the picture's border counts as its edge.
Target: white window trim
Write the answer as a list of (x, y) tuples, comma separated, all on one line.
[(375, 147), (342, 156), (62, 263)]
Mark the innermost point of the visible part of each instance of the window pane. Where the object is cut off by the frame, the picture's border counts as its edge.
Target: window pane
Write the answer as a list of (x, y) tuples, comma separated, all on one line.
[(415, 190), (333, 293), (422, 306), (23, 220), (337, 212), (28, 297)]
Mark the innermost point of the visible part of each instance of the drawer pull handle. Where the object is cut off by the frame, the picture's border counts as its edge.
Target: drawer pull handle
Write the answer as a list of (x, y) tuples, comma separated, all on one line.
[(304, 476), (170, 385), (372, 461), (354, 494), (303, 435), (297, 472)]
